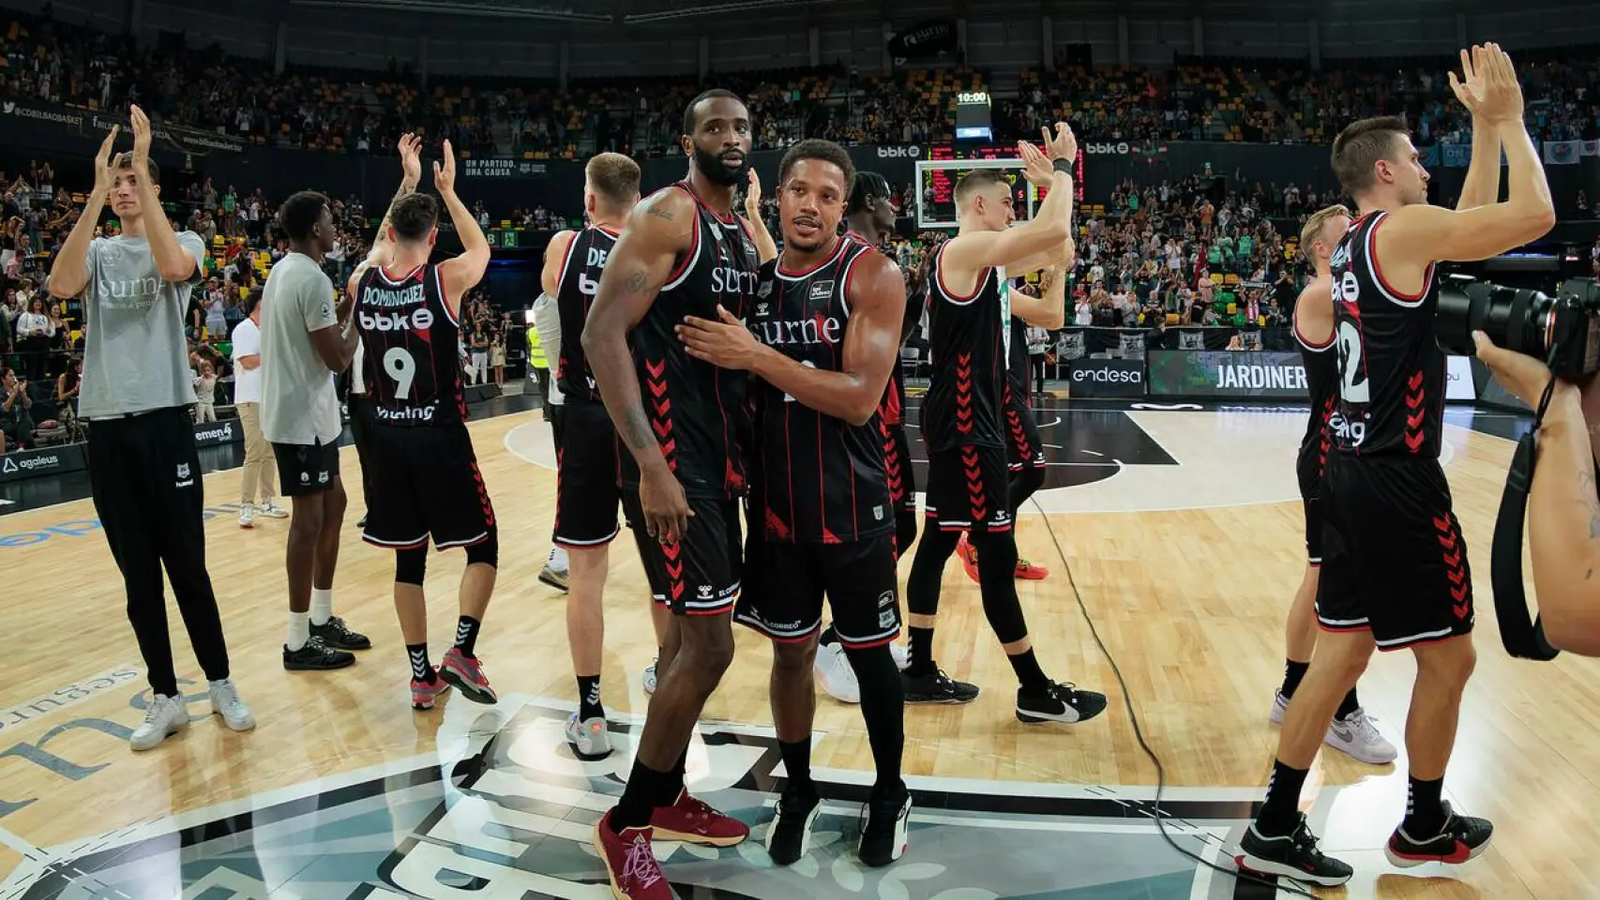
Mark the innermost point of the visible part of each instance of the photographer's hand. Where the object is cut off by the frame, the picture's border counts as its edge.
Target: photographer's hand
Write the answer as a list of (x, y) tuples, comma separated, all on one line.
[(1518, 373)]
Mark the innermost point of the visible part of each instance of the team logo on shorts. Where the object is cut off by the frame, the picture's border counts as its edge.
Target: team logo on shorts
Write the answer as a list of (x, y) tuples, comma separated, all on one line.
[(183, 470), (705, 592), (885, 599), (322, 478)]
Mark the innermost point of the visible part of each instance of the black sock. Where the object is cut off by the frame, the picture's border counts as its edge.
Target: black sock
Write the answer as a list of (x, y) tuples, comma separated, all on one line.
[(1424, 808), (640, 797), (1350, 705), (679, 770), (1292, 673), (467, 635), (1029, 675), (883, 708), (1280, 812), (589, 706), (797, 763), (421, 669), (829, 636), (920, 647)]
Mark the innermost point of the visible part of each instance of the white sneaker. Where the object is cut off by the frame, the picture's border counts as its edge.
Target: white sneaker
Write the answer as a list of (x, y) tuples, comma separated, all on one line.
[(1280, 707), (834, 673), (1357, 735), (272, 510), (902, 655), (225, 702), (247, 516), (166, 716), (590, 739), (650, 677)]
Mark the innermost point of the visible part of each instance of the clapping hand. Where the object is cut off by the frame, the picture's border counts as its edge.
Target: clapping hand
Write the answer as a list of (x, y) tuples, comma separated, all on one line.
[(105, 166), (444, 174), (411, 159)]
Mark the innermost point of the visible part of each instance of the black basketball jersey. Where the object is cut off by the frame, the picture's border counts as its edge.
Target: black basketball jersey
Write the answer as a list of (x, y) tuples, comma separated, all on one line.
[(580, 278), (411, 343), (893, 408), (1322, 378), (969, 339), (820, 478), (697, 410), (1017, 364), (1391, 372)]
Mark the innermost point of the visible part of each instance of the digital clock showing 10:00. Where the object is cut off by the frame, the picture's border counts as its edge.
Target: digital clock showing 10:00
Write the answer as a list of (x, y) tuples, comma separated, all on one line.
[(976, 97)]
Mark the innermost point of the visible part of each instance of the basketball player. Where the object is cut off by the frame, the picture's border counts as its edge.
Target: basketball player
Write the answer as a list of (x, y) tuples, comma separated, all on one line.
[(1394, 566), (970, 309), (304, 344), (1352, 730), (547, 333), (423, 466), (684, 252), (826, 337), (587, 492), (144, 469)]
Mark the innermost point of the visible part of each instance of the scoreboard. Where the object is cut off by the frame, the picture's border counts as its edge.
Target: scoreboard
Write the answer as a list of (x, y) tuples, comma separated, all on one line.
[(946, 163), (955, 152)]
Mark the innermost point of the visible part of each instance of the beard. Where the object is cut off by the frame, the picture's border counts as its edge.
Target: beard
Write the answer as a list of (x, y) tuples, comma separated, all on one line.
[(710, 165)]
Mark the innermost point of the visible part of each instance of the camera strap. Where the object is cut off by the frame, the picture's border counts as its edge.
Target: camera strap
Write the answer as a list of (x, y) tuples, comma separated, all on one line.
[(1522, 636)]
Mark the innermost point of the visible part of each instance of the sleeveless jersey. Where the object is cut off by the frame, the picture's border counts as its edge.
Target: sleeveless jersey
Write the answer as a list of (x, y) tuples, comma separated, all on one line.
[(579, 279), (821, 479), (893, 408), (1391, 372), (697, 410), (410, 341), (969, 339), (1017, 364), (1322, 377)]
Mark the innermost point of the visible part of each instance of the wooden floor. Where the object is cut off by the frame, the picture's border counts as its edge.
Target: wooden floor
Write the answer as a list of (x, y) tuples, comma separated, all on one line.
[(1190, 601)]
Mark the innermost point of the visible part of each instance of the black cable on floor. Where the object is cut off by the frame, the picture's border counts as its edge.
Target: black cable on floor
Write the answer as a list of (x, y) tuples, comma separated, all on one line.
[(1138, 731)]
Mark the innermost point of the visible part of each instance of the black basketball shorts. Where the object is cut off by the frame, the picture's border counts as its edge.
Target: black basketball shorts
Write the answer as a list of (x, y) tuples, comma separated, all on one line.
[(699, 574), (1309, 466), (587, 494), (1026, 447), (426, 485), (1393, 558), (305, 470), (969, 489), (897, 466), (783, 597)]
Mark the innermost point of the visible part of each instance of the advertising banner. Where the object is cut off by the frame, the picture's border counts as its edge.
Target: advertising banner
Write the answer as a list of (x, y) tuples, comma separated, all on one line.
[(495, 167), (215, 434), (1458, 379), (1090, 377), (1227, 373), (22, 464)]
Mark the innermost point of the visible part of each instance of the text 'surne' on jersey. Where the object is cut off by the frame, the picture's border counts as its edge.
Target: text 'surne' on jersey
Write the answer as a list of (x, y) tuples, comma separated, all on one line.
[(411, 344), (1391, 372), (819, 478), (969, 339), (575, 290), (696, 410)]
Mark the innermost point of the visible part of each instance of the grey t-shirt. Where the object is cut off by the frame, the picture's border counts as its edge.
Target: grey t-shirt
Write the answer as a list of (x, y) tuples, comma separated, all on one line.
[(298, 403), (135, 358)]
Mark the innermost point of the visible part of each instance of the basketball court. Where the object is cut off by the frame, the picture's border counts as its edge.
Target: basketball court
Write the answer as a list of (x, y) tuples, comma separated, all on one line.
[(1182, 528)]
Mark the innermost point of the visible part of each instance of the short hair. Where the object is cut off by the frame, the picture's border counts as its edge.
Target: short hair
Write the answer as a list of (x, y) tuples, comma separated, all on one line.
[(414, 215), (1359, 147), (867, 185), (614, 177), (251, 301), (126, 162), (714, 93), (974, 181), (1312, 230), (815, 148), (299, 213)]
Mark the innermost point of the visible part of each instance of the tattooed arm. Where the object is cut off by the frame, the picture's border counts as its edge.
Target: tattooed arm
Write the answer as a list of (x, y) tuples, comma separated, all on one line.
[(1564, 528), (411, 172), (659, 230)]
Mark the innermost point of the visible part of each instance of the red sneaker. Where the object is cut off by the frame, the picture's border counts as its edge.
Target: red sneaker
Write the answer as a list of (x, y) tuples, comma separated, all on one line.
[(466, 673), (969, 557), (693, 822), (1030, 572), (630, 863)]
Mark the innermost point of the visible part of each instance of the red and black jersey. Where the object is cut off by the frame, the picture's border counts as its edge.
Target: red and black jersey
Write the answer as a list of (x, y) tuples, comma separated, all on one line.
[(1322, 377), (969, 340), (575, 290), (697, 410), (818, 478), (1391, 372), (411, 345), (1017, 362)]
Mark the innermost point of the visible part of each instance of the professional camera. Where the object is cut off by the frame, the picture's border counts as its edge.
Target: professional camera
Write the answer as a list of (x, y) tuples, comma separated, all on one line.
[(1563, 330)]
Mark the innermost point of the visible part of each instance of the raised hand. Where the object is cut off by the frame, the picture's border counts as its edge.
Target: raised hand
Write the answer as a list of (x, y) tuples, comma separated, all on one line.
[(105, 166), (752, 196), (444, 176), (1502, 95), (141, 141), (1063, 144), (411, 159), (1036, 166), (1470, 88)]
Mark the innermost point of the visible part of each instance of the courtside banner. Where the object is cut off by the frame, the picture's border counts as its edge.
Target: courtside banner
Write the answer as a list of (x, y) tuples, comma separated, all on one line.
[(20, 464), (1279, 374), (1088, 377), (213, 434)]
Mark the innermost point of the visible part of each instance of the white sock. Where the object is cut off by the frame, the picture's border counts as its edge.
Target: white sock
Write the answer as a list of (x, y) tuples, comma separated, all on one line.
[(299, 630), (321, 605), (558, 558)]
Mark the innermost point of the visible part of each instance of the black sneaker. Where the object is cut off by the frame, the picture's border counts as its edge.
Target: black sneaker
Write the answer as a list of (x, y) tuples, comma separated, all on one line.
[(316, 655), (337, 635), (362, 522), (1461, 839), (1059, 703), (937, 688), (883, 838), (1294, 855), (789, 835)]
